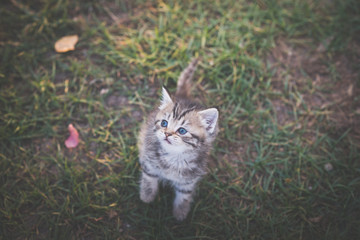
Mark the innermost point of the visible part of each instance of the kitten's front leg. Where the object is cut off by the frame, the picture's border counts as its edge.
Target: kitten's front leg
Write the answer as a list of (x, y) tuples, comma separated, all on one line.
[(183, 199), (148, 187)]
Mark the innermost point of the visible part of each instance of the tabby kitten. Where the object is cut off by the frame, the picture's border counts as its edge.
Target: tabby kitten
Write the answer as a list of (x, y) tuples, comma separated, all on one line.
[(174, 143)]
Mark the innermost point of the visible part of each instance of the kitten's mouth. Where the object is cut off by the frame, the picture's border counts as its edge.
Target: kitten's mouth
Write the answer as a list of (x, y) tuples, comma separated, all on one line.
[(167, 140)]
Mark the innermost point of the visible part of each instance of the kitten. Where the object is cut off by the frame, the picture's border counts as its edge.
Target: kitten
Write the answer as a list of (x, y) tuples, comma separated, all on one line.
[(174, 143)]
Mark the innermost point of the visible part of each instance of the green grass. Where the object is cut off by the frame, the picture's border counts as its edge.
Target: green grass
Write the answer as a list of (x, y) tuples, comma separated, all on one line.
[(286, 110)]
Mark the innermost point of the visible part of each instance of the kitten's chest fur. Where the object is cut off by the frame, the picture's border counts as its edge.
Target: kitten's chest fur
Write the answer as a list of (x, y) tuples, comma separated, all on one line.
[(173, 166)]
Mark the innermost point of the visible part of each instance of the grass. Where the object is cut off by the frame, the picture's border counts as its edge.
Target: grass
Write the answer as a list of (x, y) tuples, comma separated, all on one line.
[(286, 80)]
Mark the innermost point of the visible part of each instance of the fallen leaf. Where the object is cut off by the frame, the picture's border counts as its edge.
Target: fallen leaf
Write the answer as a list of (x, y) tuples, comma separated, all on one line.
[(112, 213), (109, 80), (350, 90), (66, 89), (73, 139), (104, 91), (66, 43), (315, 219), (262, 4), (97, 219)]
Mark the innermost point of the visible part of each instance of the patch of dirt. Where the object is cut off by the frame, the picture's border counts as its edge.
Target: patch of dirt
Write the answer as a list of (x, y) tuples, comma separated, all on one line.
[(115, 101), (325, 84), (283, 112)]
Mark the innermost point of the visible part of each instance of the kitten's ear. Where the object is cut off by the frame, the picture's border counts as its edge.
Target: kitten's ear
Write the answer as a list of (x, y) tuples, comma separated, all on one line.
[(209, 119), (165, 99)]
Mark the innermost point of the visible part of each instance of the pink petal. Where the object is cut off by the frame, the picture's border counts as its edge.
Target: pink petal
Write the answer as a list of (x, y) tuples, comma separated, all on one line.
[(73, 139)]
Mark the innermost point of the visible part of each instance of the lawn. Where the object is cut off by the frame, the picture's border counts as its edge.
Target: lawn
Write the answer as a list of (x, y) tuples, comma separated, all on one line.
[(283, 74)]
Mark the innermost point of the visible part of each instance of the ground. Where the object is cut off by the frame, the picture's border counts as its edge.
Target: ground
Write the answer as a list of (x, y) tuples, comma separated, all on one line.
[(283, 74)]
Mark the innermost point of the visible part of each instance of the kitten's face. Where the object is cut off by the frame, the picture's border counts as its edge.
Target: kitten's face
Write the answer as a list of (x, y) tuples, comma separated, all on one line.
[(181, 127)]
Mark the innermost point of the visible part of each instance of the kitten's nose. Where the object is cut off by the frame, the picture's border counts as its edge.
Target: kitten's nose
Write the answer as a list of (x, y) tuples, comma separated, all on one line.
[(167, 134)]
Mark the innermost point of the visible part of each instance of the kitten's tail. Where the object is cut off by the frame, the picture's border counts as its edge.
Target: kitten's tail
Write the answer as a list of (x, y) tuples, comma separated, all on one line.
[(184, 83)]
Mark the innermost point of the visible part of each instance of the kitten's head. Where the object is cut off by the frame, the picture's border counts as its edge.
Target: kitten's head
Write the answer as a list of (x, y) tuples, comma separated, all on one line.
[(184, 126)]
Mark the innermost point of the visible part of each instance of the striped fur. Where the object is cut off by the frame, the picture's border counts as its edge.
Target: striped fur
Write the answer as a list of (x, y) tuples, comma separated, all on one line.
[(166, 154), (184, 83)]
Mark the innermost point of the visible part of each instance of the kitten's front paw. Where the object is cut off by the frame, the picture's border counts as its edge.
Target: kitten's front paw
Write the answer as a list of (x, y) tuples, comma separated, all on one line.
[(181, 211), (148, 188), (147, 195)]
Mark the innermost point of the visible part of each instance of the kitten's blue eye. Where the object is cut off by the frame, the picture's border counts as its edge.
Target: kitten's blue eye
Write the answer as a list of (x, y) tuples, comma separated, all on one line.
[(182, 131), (164, 123)]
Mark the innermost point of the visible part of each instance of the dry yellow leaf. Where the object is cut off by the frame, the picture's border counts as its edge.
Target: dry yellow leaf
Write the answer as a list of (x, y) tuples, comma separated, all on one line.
[(288, 180), (66, 43)]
